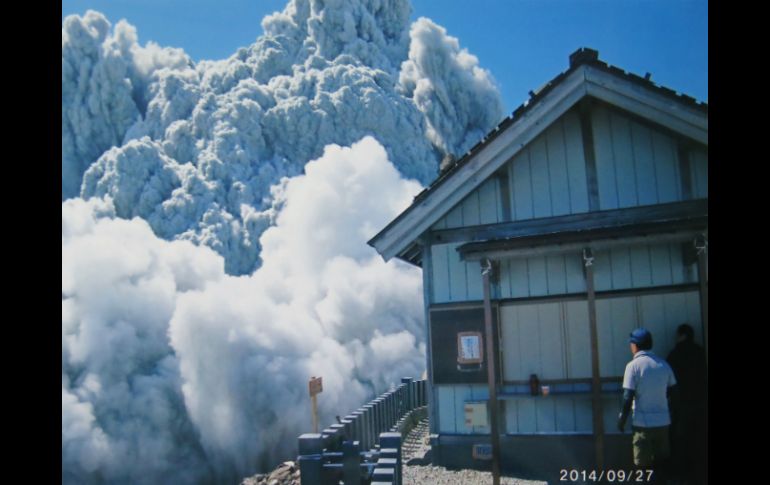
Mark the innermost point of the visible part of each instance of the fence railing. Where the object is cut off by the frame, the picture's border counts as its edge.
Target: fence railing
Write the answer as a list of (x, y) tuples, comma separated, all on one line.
[(364, 447)]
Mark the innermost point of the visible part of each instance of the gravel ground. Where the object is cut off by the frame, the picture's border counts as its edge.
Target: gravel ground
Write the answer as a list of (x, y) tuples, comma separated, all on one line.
[(418, 471)]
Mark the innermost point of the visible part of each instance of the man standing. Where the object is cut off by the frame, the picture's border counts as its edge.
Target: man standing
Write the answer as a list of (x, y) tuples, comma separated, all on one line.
[(689, 431), (646, 382)]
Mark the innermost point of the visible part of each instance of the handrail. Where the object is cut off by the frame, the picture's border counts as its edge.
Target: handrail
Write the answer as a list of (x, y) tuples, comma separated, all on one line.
[(365, 445)]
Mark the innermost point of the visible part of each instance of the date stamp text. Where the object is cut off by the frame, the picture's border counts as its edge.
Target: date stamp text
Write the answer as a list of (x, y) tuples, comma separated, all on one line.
[(605, 476)]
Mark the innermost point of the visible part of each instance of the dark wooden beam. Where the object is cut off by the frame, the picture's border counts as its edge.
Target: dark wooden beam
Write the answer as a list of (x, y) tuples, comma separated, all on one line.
[(596, 384), (427, 295), (683, 153), (586, 128), (559, 243), (572, 222), (700, 246), (505, 193), (494, 430)]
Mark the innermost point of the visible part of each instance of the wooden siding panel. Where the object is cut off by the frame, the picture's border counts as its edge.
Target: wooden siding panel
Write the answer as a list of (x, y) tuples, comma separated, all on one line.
[(463, 393), (526, 416), (505, 279), (620, 259), (576, 165), (675, 312), (603, 328), (455, 217), (511, 416), (458, 281), (529, 341), (440, 266), (624, 320), (678, 270), (605, 166), (602, 271), (699, 173), (652, 316), (471, 209), (519, 274), (446, 409), (533, 341), (615, 319), (610, 410), (565, 414), (578, 340), (557, 274), (538, 277), (551, 344), (541, 187), (489, 202), (625, 173), (660, 259), (641, 272), (546, 415), (573, 266), (521, 186), (474, 282), (557, 169), (646, 184), (511, 343), (440, 224), (584, 416), (666, 168)]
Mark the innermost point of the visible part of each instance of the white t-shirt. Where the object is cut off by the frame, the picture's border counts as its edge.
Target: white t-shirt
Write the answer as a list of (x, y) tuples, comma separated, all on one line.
[(649, 376)]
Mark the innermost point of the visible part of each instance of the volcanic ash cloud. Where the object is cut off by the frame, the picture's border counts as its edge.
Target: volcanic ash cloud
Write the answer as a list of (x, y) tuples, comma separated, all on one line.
[(174, 371), (194, 148)]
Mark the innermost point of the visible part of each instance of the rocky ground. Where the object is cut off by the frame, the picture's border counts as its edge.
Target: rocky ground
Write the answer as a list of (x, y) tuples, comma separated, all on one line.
[(417, 470), (286, 474)]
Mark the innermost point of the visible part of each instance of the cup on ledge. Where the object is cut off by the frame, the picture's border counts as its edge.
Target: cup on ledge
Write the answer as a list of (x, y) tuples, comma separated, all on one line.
[(546, 390)]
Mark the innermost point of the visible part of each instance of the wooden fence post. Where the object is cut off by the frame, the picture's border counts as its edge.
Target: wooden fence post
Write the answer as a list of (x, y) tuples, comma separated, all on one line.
[(310, 458)]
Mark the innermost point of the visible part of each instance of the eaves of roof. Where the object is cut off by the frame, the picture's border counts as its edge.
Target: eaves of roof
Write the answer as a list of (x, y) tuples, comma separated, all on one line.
[(581, 57)]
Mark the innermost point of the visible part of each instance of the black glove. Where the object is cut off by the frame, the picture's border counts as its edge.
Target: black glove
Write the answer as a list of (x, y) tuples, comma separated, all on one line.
[(628, 399), (621, 422)]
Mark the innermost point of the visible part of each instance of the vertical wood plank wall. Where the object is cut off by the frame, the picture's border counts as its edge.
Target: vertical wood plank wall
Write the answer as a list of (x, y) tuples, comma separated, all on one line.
[(551, 340), (622, 268), (636, 165)]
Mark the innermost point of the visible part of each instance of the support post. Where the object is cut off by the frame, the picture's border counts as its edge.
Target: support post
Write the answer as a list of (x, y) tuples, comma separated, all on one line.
[(310, 458), (427, 295), (596, 384), (393, 441), (701, 243), (351, 463), (486, 270), (314, 406)]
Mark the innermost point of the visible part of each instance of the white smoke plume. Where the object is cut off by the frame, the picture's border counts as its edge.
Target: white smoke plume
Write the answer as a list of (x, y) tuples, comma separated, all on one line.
[(175, 372), (214, 231), (459, 99), (194, 148)]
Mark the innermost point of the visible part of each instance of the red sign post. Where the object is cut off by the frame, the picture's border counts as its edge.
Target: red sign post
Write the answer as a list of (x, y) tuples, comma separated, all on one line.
[(315, 387)]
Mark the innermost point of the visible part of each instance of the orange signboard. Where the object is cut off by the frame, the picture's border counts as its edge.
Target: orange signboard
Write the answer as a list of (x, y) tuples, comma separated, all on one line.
[(315, 386)]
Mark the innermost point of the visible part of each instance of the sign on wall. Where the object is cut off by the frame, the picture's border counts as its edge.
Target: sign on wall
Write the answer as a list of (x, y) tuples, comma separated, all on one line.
[(458, 345)]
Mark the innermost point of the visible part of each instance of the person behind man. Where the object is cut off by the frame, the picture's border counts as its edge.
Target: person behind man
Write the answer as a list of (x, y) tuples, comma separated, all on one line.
[(688, 418), (646, 383)]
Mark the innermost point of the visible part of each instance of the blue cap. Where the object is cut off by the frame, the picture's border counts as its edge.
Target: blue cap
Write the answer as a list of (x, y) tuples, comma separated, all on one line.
[(640, 336)]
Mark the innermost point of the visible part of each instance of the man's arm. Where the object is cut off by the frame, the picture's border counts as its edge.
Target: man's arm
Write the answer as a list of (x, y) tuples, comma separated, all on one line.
[(628, 399)]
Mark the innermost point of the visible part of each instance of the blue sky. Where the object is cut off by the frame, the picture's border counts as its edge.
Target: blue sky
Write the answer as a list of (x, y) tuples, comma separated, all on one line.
[(523, 43)]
